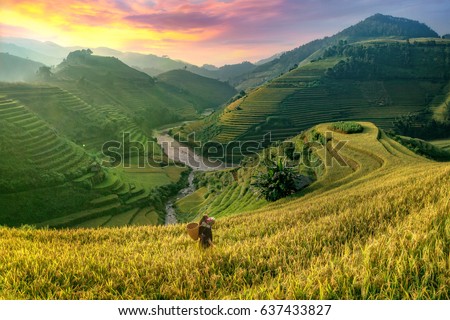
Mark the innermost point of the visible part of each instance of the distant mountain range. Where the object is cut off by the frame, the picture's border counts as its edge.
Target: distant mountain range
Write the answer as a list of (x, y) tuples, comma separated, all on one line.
[(242, 75), (16, 69), (52, 54)]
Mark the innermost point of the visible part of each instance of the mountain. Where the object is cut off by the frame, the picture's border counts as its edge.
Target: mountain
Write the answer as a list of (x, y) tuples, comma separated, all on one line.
[(82, 63), (28, 54), (92, 99), (54, 129), (114, 97), (149, 63), (52, 54), (231, 71), (204, 92), (16, 69), (171, 98), (154, 65), (48, 53), (210, 67), (378, 80), (48, 48), (376, 26), (51, 170), (266, 60)]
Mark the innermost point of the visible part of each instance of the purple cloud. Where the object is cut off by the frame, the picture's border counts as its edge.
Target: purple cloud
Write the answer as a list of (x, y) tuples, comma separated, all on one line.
[(176, 20)]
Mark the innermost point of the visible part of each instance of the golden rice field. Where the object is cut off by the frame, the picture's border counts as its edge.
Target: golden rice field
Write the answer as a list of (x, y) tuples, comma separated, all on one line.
[(380, 230)]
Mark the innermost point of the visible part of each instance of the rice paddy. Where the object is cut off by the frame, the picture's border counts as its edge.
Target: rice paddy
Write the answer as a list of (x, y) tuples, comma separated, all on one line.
[(377, 232)]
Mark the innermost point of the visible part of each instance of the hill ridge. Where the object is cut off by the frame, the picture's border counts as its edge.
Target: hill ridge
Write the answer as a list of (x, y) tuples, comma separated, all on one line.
[(375, 26)]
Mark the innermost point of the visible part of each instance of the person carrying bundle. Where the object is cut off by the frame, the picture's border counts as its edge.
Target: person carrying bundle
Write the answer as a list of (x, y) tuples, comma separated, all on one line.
[(205, 231)]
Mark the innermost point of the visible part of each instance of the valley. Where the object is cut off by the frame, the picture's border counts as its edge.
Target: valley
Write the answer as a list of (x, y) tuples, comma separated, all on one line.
[(58, 132)]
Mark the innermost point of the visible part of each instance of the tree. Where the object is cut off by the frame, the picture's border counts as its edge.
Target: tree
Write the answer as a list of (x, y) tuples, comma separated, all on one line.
[(44, 72), (277, 182)]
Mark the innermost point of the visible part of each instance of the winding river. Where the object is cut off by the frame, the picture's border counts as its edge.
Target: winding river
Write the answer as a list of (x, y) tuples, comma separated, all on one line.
[(182, 153)]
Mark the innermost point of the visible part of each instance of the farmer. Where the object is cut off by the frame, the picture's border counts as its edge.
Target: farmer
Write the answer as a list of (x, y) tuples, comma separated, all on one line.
[(205, 231)]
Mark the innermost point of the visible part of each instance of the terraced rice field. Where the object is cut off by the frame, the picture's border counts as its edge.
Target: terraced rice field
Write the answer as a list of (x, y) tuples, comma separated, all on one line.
[(128, 187), (122, 190), (134, 217), (41, 146), (444, 144), (303, 98), (69, 114), (39, 142), (238, 197), (374, 230)]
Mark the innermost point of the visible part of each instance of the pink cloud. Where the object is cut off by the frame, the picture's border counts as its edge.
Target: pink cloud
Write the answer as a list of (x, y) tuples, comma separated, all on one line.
[(176, 20), (12, 31), (219, 31)]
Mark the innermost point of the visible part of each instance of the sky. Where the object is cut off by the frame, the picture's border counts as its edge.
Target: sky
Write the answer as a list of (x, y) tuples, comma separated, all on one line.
[(202, 31)]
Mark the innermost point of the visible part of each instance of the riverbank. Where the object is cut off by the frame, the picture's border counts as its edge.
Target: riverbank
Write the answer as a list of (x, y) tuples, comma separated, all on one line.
[(181, 153)]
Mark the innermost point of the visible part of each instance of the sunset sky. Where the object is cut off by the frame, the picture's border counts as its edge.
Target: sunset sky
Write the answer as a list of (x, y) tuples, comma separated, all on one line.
[(202, 31)]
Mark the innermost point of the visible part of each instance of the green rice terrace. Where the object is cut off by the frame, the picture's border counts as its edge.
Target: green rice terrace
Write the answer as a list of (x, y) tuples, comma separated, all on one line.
[(229, 192), (84, 123), (375, 229), (330, 88), (45, 176), (53, 172)]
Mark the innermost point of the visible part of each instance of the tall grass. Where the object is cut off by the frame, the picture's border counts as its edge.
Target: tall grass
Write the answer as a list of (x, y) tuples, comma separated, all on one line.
[(385, 234)]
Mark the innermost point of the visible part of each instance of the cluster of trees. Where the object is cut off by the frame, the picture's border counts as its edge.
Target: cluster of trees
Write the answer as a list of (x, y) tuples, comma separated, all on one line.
[(390, 61), (44, 73), (154, 117), (347, 127), (79, 54), (380, 25), (421, 126)]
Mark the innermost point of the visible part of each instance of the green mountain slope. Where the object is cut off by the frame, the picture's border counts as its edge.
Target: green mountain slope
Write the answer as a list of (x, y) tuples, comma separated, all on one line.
[(93, 99), (47, 179), (54, 130), (15, 69), (378, 232), (201, 91), (375, 81), (87, 125), (376, 26), (33, 50), (88, 100), (154, 65), (229, 192), (106, 80), (37, 166)]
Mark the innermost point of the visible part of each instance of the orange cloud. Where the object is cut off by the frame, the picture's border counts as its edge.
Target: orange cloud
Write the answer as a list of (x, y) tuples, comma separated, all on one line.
[(199, 31), (171, 27)]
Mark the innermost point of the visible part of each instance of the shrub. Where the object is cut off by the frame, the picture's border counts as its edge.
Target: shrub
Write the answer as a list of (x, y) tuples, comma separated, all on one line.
[(278, 182), (347, 127)]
